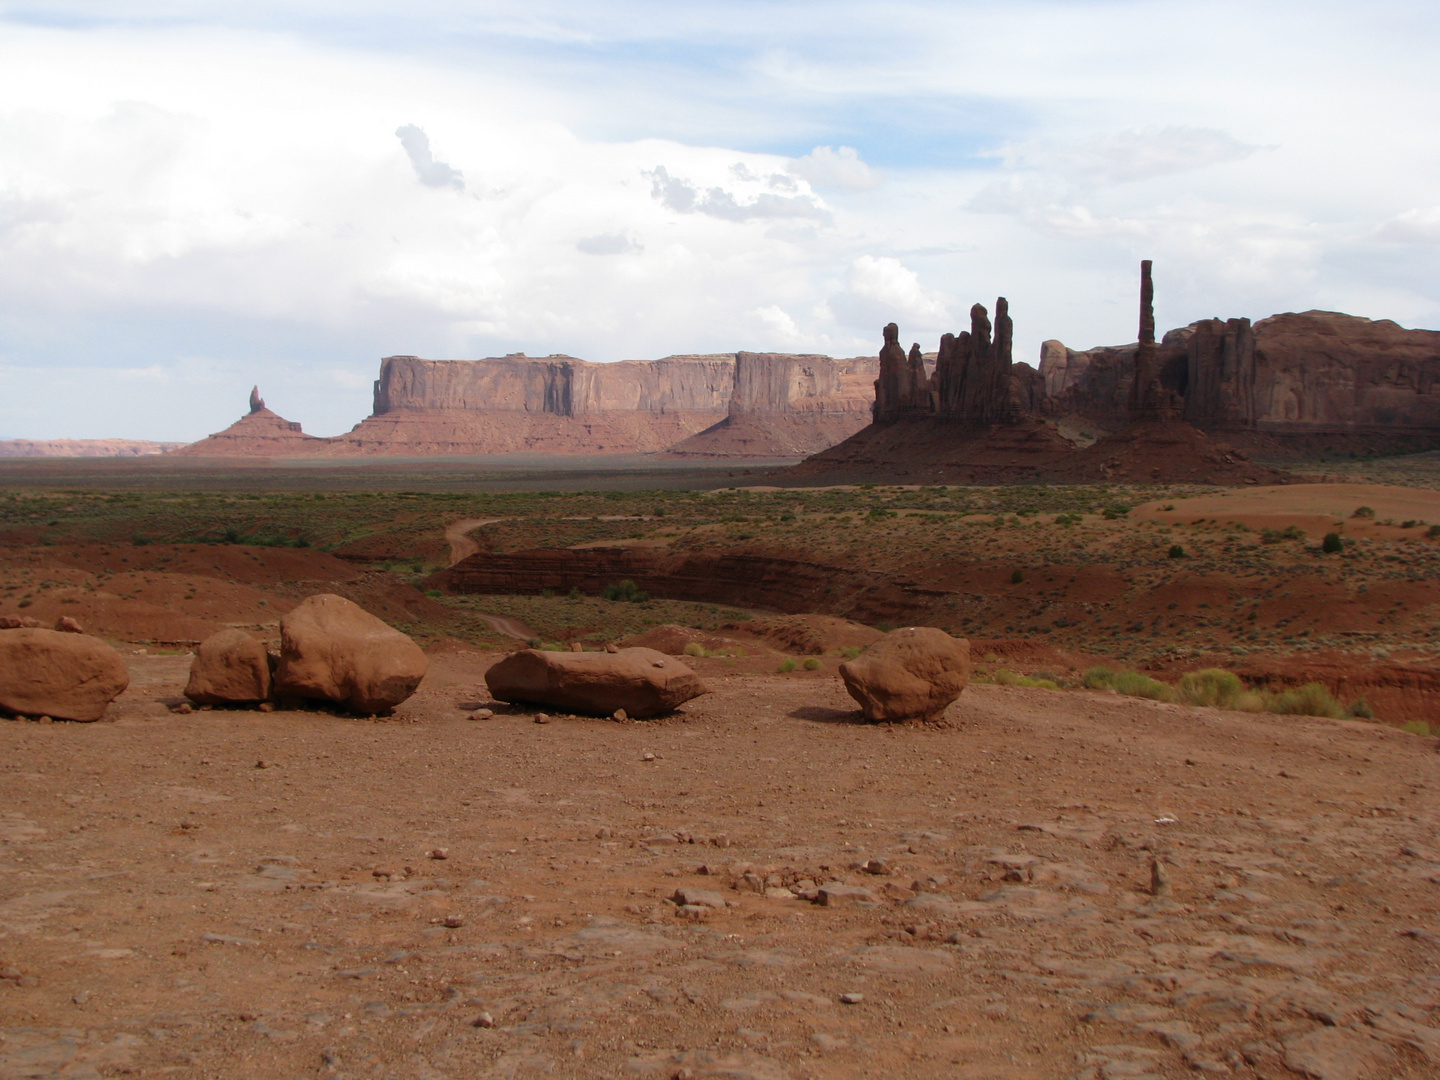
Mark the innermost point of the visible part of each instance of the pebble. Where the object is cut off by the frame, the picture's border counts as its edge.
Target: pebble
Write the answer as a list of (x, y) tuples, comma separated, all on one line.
[(484, 1020), (647, 756), (620, 714), (265, 706), (262, 764), (875, 866), (852, 998), (482, 714), (542, 718), (439, 853), (454, 921), (182, 709)]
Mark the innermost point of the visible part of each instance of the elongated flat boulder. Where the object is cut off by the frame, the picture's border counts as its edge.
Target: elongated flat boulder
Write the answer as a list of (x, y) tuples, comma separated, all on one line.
[(909, 674), (230, 667), (61, 675), (643, 682), (334, 650)]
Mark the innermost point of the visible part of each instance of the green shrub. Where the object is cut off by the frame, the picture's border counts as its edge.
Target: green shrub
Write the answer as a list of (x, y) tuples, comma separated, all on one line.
[(1433, 532), (787, 665), (1275, 536), (434, 593), (1006, 677), (1312, 699), (1332, 543), (849, 652), (1361, 710), (1113, 513), (1212, 686), (694, 648), (139, 541), (576, 594), (1363, 512), (626, 592), (812, 663), (1017, 577), (1421, 727), (1099, 678), (1176, 551), (1134, 684)]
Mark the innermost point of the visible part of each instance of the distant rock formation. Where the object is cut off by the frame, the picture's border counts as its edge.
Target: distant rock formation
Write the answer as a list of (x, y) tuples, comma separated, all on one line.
[(787, 405), (259, 433), (83, 448), (1317, 381), (556, 404)]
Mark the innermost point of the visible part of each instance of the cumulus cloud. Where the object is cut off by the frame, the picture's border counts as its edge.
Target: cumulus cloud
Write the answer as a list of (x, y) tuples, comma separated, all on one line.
[(607, 244), (882, 289), (685, 198), (1125, 156), (827, 167), (430, 172)]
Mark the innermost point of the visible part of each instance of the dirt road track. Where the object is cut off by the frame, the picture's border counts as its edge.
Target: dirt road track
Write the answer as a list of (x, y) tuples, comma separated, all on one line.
[(457, 535)]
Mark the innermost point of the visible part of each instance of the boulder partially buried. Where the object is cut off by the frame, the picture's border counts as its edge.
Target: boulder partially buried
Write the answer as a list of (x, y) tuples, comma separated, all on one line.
[(334, 650), (909, 674), (230, 667), (643, 682), (65, 676)]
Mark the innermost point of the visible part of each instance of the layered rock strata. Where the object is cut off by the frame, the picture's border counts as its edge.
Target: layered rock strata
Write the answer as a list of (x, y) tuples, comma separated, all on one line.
[(788, 405), (259, 433)]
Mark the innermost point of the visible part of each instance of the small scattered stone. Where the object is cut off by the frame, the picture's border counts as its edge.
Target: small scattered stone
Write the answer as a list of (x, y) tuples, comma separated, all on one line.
[(875, 866), (1159, 878), (182, 709), (542, 718), (699, 898), (484, 1020), (265, 706), (66, 625), (263, 764), (647, 756), (576, 646), (439, 853), (852, 998), (454, 922), (621, 714), (482, 714), (835, 894)]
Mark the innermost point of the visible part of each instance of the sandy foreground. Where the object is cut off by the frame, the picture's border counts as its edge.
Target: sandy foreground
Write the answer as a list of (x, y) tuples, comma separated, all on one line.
[(169, 907)]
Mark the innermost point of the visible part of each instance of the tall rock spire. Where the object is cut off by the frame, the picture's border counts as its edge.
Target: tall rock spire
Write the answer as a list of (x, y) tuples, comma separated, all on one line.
[(256, 401)]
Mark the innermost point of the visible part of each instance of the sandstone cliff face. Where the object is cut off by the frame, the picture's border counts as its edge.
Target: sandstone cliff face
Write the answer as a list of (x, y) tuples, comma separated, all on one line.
[(558, 385), (788, 405)]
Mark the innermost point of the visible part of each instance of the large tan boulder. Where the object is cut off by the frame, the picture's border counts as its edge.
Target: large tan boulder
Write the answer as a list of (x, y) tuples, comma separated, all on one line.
[(230, 667), (61, 675), (909, 674), (337, 651), (643, 682)]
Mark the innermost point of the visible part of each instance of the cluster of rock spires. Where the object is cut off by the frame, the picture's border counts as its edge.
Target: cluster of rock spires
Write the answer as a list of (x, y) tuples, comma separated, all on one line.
[(1313, 382)]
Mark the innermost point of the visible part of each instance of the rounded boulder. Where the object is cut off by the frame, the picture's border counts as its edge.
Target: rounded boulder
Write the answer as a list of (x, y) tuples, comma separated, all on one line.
[(641, 681), (909, 674), (230, 667), (334, 650), (67, 676)]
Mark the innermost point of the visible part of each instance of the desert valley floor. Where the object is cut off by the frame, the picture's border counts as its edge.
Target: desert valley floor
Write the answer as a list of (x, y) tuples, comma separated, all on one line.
[(1047, 883)]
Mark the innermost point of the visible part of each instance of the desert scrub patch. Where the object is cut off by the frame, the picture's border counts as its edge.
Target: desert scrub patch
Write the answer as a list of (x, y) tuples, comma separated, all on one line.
[(1006, 677), (786, 666), (812, 663)]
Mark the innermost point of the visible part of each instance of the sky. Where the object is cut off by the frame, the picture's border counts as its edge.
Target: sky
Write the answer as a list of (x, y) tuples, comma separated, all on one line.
[(199, 196)]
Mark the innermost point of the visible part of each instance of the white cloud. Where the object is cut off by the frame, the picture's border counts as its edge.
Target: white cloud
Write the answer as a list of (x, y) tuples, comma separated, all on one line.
[(684, 197), (826, 167), (607, 244), (1419, 226), (428, 171), (1125, 156), (880, 290)]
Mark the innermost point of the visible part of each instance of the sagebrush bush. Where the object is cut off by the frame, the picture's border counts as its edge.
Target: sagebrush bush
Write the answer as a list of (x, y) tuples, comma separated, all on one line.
[(1312, 699), (787, 665), (812, 663), (694, 648), (1212, 686)]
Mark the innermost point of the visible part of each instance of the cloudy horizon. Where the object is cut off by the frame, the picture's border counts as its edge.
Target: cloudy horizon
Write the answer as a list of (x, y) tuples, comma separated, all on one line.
[(199, 197)]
